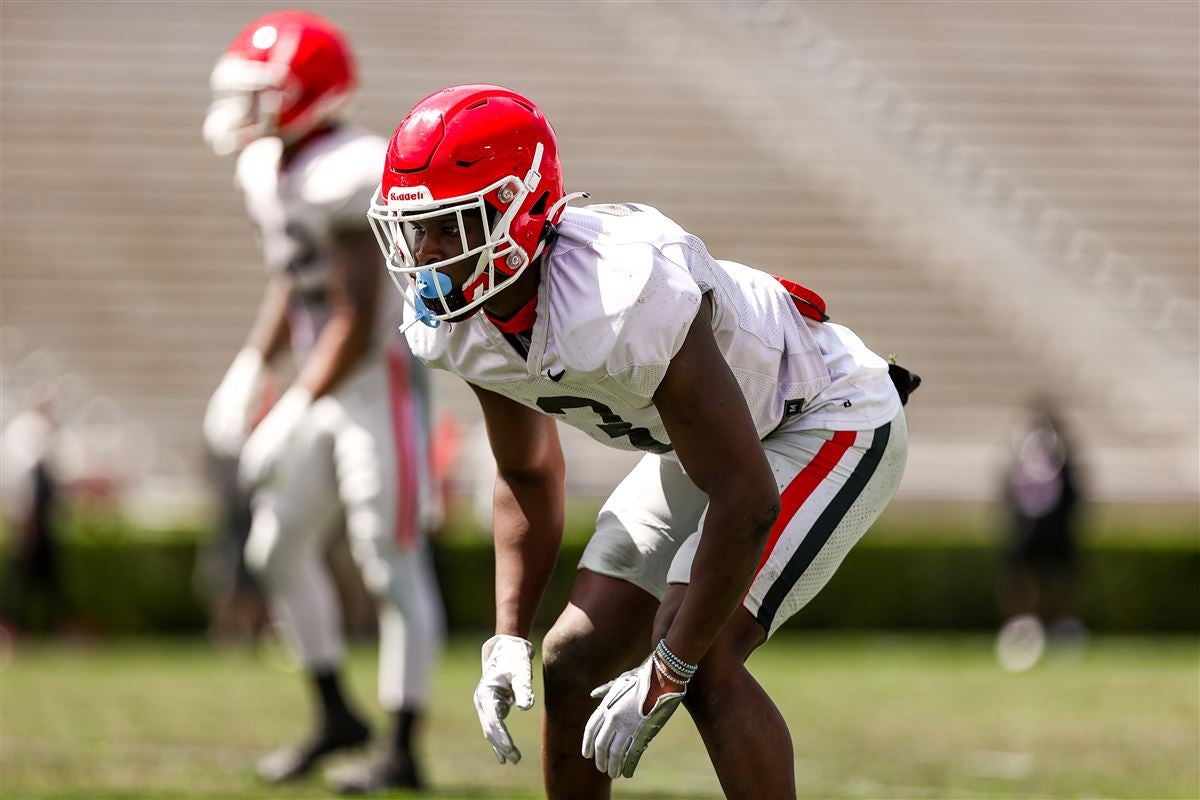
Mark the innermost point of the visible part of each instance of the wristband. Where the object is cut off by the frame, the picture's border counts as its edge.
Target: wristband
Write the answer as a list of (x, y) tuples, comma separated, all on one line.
[(666, 673), (674, 662)]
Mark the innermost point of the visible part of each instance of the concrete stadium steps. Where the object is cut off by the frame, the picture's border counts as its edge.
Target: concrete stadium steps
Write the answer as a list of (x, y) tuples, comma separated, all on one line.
[(127, 256), (770, 244), (1093, 105), (728, 43)]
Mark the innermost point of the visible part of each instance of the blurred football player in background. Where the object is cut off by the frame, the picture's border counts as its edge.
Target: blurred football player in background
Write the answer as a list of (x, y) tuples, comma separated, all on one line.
[(346, 442), (615, 320), (1042, 496)]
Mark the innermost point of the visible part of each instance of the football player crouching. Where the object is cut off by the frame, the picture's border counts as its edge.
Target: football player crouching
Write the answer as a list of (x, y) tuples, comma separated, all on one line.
[(773, 438)]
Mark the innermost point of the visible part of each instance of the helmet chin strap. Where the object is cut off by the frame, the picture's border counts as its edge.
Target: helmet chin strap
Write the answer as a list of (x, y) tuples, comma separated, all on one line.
[(562, 202), (533, 177)]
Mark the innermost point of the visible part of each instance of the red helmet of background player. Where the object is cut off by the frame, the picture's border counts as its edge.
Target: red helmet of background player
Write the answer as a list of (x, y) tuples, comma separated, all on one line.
[(284, 75), (469, 150)]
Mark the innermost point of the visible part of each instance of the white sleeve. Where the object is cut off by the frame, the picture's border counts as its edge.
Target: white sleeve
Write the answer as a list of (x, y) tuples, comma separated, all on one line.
[(257, 164), (343, 184)]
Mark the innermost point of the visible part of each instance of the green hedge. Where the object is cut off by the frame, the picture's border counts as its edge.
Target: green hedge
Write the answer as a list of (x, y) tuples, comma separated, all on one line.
[(125, 583), (133, 585), (891, 584)]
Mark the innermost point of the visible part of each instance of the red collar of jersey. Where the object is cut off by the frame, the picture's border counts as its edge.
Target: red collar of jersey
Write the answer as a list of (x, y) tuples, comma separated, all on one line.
[(519, 322)]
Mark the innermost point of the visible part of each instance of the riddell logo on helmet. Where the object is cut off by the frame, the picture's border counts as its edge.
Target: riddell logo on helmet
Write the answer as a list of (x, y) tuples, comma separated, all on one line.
[(409, 194)]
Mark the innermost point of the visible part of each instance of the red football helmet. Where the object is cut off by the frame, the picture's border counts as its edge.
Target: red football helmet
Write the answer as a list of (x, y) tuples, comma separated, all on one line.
[(469, 150), (285, 74)]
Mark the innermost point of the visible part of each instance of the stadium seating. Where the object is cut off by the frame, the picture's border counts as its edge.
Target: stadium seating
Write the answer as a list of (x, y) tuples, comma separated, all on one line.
[(1006, 197)]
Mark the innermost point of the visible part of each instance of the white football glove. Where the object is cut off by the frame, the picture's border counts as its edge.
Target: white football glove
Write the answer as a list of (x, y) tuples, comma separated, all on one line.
[(261, 453), (507, 680), (227, 417), (617, 732)]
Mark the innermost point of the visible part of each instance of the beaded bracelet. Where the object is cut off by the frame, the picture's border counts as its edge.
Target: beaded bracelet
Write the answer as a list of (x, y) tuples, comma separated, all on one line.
[(676, 664), (666, 672)]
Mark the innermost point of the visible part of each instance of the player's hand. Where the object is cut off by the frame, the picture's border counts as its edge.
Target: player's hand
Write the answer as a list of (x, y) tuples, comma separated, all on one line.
[(227, 417), (507, 680), (267, 443), (618, 732)]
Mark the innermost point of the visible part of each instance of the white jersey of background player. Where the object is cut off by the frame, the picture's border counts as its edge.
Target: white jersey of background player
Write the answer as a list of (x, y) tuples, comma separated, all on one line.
[(773, 439), (346, 443)]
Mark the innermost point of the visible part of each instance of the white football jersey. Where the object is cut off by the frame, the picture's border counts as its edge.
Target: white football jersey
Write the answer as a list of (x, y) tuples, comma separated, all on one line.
[(619, 291), (326, 188)]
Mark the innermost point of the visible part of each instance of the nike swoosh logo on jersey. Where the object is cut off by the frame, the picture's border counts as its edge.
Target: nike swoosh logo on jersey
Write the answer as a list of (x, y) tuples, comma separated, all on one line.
[(553, 377)]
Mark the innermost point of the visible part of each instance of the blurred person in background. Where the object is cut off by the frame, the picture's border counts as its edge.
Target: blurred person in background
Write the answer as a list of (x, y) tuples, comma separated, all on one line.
[(613, 319), (346, 443), (32, 495), (1041, 497)]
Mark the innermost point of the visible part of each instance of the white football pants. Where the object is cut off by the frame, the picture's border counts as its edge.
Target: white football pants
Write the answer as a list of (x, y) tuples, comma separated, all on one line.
[(833, 485), (359, 457)]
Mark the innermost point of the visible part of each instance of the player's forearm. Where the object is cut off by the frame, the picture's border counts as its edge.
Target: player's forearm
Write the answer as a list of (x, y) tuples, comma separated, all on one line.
[(338, 349), (269, 333), (527, 525), (731, 545)]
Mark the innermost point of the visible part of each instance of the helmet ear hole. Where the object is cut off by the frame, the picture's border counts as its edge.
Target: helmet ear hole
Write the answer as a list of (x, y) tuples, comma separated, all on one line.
[(539, 208)]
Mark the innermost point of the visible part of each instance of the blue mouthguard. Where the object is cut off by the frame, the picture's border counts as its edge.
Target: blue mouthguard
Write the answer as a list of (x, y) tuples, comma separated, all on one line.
[(427, 290)]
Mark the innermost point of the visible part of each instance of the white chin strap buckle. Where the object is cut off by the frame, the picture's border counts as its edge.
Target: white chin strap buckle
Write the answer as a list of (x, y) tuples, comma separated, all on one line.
[(533, 177)]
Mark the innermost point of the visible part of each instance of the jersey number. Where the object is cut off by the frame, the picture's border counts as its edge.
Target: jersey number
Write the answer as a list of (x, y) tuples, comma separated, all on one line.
[(610, 423)]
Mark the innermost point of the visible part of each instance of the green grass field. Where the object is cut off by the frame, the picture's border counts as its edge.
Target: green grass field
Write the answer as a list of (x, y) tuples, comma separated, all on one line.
[(879, 716)]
